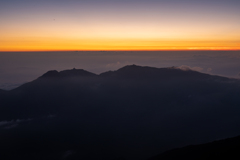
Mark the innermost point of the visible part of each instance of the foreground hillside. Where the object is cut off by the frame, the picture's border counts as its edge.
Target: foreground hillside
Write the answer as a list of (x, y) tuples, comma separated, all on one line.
[(132, 113), (222, 149)]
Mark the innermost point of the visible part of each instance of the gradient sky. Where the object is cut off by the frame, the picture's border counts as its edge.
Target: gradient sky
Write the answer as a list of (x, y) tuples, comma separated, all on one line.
[(46, 25)]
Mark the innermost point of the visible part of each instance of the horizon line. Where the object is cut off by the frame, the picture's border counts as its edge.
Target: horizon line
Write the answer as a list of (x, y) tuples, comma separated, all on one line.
[(121, 50)]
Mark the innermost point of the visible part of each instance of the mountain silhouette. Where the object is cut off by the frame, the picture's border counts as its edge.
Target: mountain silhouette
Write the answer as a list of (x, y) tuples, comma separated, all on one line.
[(222, 149), (67, 73), (134, 112), (2, 91)]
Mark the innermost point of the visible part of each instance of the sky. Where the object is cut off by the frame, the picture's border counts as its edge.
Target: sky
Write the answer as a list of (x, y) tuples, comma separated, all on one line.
[(69, 25)]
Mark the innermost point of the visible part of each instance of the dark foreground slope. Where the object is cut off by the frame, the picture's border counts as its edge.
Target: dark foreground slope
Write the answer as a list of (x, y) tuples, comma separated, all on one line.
[(132, 113), (222, 149)]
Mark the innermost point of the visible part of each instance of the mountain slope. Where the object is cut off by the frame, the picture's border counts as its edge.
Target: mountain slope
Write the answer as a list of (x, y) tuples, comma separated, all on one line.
[(227, 149), (67, 73), (134, 112)]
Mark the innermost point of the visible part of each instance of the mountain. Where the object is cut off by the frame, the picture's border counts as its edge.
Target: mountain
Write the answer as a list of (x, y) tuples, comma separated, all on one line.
[(222, 149), (2, 91), (134, 112), (67, 74)]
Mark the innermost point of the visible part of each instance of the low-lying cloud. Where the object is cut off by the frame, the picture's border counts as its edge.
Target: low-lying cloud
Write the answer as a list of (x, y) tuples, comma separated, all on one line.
[(209, 69), (186, 68), (12, 123)]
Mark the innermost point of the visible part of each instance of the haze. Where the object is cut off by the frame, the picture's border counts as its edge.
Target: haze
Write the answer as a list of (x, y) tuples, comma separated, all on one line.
[(20, 67)]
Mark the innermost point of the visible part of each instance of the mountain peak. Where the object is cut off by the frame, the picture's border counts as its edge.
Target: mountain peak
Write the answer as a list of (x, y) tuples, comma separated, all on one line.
[(67, 73), (130, 67), (75, 73), (50, 74)]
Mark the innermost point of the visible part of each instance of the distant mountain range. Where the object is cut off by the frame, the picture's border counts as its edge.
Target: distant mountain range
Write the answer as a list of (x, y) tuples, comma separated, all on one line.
[(132, 113)]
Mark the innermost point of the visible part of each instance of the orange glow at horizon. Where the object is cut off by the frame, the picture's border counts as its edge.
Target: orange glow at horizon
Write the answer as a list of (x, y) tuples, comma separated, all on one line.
[(115, 38), (54, 44), (97, 29)]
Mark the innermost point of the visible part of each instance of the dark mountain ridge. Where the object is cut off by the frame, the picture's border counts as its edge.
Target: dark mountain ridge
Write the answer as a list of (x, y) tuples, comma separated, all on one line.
[(135, 112), (134, 72), (222, 149), (67, 73)]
